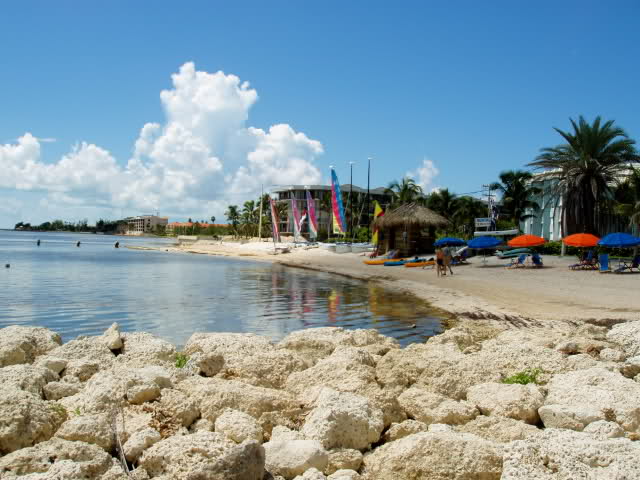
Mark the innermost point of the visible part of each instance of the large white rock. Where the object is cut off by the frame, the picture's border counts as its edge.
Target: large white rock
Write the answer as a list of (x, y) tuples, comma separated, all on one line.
[(499, 429), (520, 402), (435, 456), (142, 349), (238, 426), (596, 389), (85, 356), (30, 378), (316, 343), (137, 443), (246, 356), (92, 428), (403, 429), (428, 407), (341, 459), (603, 430), (564, 454), (204, 455), (631, 367), (289, 458), (572, 417), (20, 344), (311, 474), (178, 406), (58, 390), (26, 419), (111, 337), (349, 369), (345, 474), (59, 459), (213, 395), (343, 420), (627, 335)]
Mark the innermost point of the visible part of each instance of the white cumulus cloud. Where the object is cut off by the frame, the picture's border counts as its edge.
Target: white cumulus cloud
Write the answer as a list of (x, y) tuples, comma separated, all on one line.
[(425, 174), (203, 157)]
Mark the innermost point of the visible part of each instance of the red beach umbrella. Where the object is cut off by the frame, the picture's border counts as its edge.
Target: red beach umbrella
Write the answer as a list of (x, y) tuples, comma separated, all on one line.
[(581, 240), (523, 241)]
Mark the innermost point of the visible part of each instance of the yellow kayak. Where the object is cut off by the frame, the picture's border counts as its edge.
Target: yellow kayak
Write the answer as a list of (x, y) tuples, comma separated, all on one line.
[(380, 261), (420, 264)]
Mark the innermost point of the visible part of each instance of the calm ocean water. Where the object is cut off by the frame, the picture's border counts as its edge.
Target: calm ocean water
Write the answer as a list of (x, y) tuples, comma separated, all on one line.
[(81, 291)]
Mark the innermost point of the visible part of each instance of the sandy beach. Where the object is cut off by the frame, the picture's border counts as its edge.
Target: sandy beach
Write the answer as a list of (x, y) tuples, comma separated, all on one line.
[(478, 290)]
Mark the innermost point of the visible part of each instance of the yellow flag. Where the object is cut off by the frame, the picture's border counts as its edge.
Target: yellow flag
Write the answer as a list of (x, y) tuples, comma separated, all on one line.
[(377, 212)]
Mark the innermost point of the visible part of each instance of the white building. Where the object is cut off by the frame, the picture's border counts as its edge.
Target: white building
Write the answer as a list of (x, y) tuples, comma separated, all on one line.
[(144, 224)]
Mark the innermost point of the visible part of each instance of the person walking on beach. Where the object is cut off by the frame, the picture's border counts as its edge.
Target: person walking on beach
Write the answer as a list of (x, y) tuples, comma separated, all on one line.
[(447, 259), (38, 242), (78, 244), (440, 262)]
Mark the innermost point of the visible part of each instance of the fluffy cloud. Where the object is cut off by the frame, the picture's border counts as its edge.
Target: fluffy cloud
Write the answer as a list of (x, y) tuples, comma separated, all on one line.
[(200, 159), (425, 174)]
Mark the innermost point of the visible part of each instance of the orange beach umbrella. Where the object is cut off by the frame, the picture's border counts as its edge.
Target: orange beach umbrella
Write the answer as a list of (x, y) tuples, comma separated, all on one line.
[(581, 240), (523, 241)]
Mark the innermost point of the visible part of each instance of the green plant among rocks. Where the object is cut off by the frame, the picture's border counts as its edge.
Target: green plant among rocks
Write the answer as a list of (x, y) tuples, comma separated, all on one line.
[(524, 377), (181, 360), (59, 409)]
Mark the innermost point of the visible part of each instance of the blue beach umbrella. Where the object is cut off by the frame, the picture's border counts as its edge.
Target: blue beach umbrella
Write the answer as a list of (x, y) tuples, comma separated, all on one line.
[(484, 242), (619, 240), (451, 241)]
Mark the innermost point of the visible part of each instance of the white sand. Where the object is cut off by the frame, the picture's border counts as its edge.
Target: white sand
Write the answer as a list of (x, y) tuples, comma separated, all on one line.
[(476, 291)]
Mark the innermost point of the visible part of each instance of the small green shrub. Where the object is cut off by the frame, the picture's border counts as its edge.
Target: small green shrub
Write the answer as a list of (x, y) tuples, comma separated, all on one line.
[(523, 378), (77, 412), (181, 360), (59, 409)]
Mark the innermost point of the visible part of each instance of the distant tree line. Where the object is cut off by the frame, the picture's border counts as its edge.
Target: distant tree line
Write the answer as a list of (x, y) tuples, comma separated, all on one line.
[(101, 226)]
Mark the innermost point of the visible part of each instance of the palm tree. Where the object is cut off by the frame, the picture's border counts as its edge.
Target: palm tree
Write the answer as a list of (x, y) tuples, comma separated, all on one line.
[(585, 170), (406, 191), (466, 210), (627, 197), (249, 218), (517, 192), (233, 216), (443, 202)]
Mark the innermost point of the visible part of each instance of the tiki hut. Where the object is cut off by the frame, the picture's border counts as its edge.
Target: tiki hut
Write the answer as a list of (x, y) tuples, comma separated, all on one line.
[(410, 229)]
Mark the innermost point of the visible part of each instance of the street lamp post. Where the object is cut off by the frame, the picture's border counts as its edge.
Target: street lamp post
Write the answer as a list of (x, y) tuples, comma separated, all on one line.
[(368, 200)]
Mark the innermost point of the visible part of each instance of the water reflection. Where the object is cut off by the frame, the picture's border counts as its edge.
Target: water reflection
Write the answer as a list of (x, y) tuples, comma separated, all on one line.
[(83, 290)]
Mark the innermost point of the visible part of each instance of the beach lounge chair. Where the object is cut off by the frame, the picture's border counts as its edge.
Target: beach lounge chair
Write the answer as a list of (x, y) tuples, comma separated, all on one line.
[(588, 262), (519, 262), (536, 260), (603, 259), (624, 265)]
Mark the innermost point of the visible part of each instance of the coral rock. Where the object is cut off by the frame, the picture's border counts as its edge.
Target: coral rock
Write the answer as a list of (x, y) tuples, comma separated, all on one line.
[(520, 402)]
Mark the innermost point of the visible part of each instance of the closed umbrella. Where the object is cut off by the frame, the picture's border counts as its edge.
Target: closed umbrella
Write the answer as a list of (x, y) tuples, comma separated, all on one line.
[(619, 240), (581, 240), (450, 241), (524, 241)]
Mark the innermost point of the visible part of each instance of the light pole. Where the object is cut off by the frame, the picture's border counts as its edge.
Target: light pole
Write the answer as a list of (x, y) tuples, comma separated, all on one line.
[(368, 200), (351, 198)]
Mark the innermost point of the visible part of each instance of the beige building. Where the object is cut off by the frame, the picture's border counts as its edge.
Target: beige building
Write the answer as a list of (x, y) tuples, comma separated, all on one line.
[(144, 224)]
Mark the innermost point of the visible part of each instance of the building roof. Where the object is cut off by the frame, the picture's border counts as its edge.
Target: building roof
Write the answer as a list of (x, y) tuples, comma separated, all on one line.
[(191, 224), (345, 188), (411, 214)]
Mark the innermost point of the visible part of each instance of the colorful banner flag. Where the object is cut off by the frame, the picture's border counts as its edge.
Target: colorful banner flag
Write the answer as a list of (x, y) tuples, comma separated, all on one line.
[(274, 221), (336, 205), (296, 219), (377, 212), (313, 221)]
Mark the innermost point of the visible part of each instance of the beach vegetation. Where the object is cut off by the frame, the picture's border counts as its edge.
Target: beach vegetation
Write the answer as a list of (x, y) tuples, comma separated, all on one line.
[(517, 193), (442, 201), (233, 217), (403, 192), (524, 377), (586, 171), (59, 409), (181, 360)]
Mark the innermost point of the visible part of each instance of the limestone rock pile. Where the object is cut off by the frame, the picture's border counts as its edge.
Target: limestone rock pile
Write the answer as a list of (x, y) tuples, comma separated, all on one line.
[(322, 404)]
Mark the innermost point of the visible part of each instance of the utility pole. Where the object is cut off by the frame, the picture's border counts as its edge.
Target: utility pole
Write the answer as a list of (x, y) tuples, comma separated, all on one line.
[(351, 199), (489, 203), (368, 200), (260, 219)]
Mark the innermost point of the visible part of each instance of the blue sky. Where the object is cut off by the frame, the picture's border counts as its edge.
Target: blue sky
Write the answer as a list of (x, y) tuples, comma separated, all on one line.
[(475, 87)]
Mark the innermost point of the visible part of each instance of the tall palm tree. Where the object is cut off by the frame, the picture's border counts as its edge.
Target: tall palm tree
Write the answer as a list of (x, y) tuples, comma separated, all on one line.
[(585, 170), (406, 191), (517, 193), (443, 202), (233, 216), (466, 210), (627, 197)]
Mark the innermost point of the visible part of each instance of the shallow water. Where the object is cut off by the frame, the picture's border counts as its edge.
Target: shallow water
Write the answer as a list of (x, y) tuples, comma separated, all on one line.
[(82, 290)]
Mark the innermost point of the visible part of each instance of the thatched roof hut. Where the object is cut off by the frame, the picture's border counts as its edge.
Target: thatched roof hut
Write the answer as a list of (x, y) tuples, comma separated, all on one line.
[(409, 228), (411, 215)]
